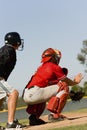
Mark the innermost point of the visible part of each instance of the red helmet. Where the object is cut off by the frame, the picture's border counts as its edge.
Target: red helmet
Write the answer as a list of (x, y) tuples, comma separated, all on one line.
[(52, 55)]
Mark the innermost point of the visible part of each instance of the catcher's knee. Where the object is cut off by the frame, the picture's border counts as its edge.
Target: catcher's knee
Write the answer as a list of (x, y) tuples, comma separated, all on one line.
[(56, 104), (63, 86), (53, 104)]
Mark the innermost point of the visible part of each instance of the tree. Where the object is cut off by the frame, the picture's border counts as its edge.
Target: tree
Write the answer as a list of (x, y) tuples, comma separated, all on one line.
[(76, 88), (85, 88), (82, 57)]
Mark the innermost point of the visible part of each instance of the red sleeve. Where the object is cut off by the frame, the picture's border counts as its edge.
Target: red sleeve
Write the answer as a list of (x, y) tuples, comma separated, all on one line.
[(60, 72), (57, 73)]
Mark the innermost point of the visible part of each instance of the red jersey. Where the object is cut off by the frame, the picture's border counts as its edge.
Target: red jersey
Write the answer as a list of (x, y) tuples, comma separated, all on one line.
[(47, 74)]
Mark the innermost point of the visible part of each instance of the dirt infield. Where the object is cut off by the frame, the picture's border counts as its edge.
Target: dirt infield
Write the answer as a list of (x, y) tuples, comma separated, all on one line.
[(74, 118)]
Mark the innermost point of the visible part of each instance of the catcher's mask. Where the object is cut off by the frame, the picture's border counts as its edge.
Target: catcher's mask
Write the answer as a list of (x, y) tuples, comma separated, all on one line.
[(51, 55)]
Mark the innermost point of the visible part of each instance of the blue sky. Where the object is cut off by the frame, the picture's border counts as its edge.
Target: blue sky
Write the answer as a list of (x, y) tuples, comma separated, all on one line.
[(60, 24)]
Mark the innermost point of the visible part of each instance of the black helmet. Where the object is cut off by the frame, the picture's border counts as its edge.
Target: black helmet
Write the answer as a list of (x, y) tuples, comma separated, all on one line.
[(13, 38)]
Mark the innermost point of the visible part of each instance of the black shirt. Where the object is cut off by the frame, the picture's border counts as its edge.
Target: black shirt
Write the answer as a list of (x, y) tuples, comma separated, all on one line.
[(7, 61)]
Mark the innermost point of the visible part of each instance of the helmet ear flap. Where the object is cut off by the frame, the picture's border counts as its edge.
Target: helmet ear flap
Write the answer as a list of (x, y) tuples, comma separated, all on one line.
[(58, 53)]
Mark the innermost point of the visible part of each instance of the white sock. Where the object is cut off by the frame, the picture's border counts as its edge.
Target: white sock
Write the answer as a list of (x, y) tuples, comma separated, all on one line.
[(10, 123)]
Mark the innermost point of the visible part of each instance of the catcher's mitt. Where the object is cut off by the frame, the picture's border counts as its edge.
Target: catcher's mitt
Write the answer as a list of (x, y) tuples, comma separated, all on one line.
[(76, 96)]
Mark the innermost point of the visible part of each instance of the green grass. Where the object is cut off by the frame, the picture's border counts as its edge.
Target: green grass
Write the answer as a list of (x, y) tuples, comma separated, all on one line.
[(23, 121), (77, 127)]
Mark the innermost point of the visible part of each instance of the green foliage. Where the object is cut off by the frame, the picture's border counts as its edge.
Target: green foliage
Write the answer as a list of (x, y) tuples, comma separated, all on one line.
[(77, 88), (85, 88), (82, 56), (20, 102)]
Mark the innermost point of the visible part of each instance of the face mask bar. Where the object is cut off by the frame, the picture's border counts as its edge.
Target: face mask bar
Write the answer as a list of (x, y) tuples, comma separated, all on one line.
[(21, 47)]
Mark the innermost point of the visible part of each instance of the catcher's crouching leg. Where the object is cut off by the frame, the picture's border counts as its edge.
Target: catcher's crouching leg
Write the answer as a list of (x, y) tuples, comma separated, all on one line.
[(57, 103), (35, 111)]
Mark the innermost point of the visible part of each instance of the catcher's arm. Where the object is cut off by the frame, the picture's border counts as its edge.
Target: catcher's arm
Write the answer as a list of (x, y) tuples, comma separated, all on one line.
[(77, 79)]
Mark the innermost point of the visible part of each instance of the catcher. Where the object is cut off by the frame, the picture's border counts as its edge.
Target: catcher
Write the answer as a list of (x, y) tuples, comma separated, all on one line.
[(49, 83)]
